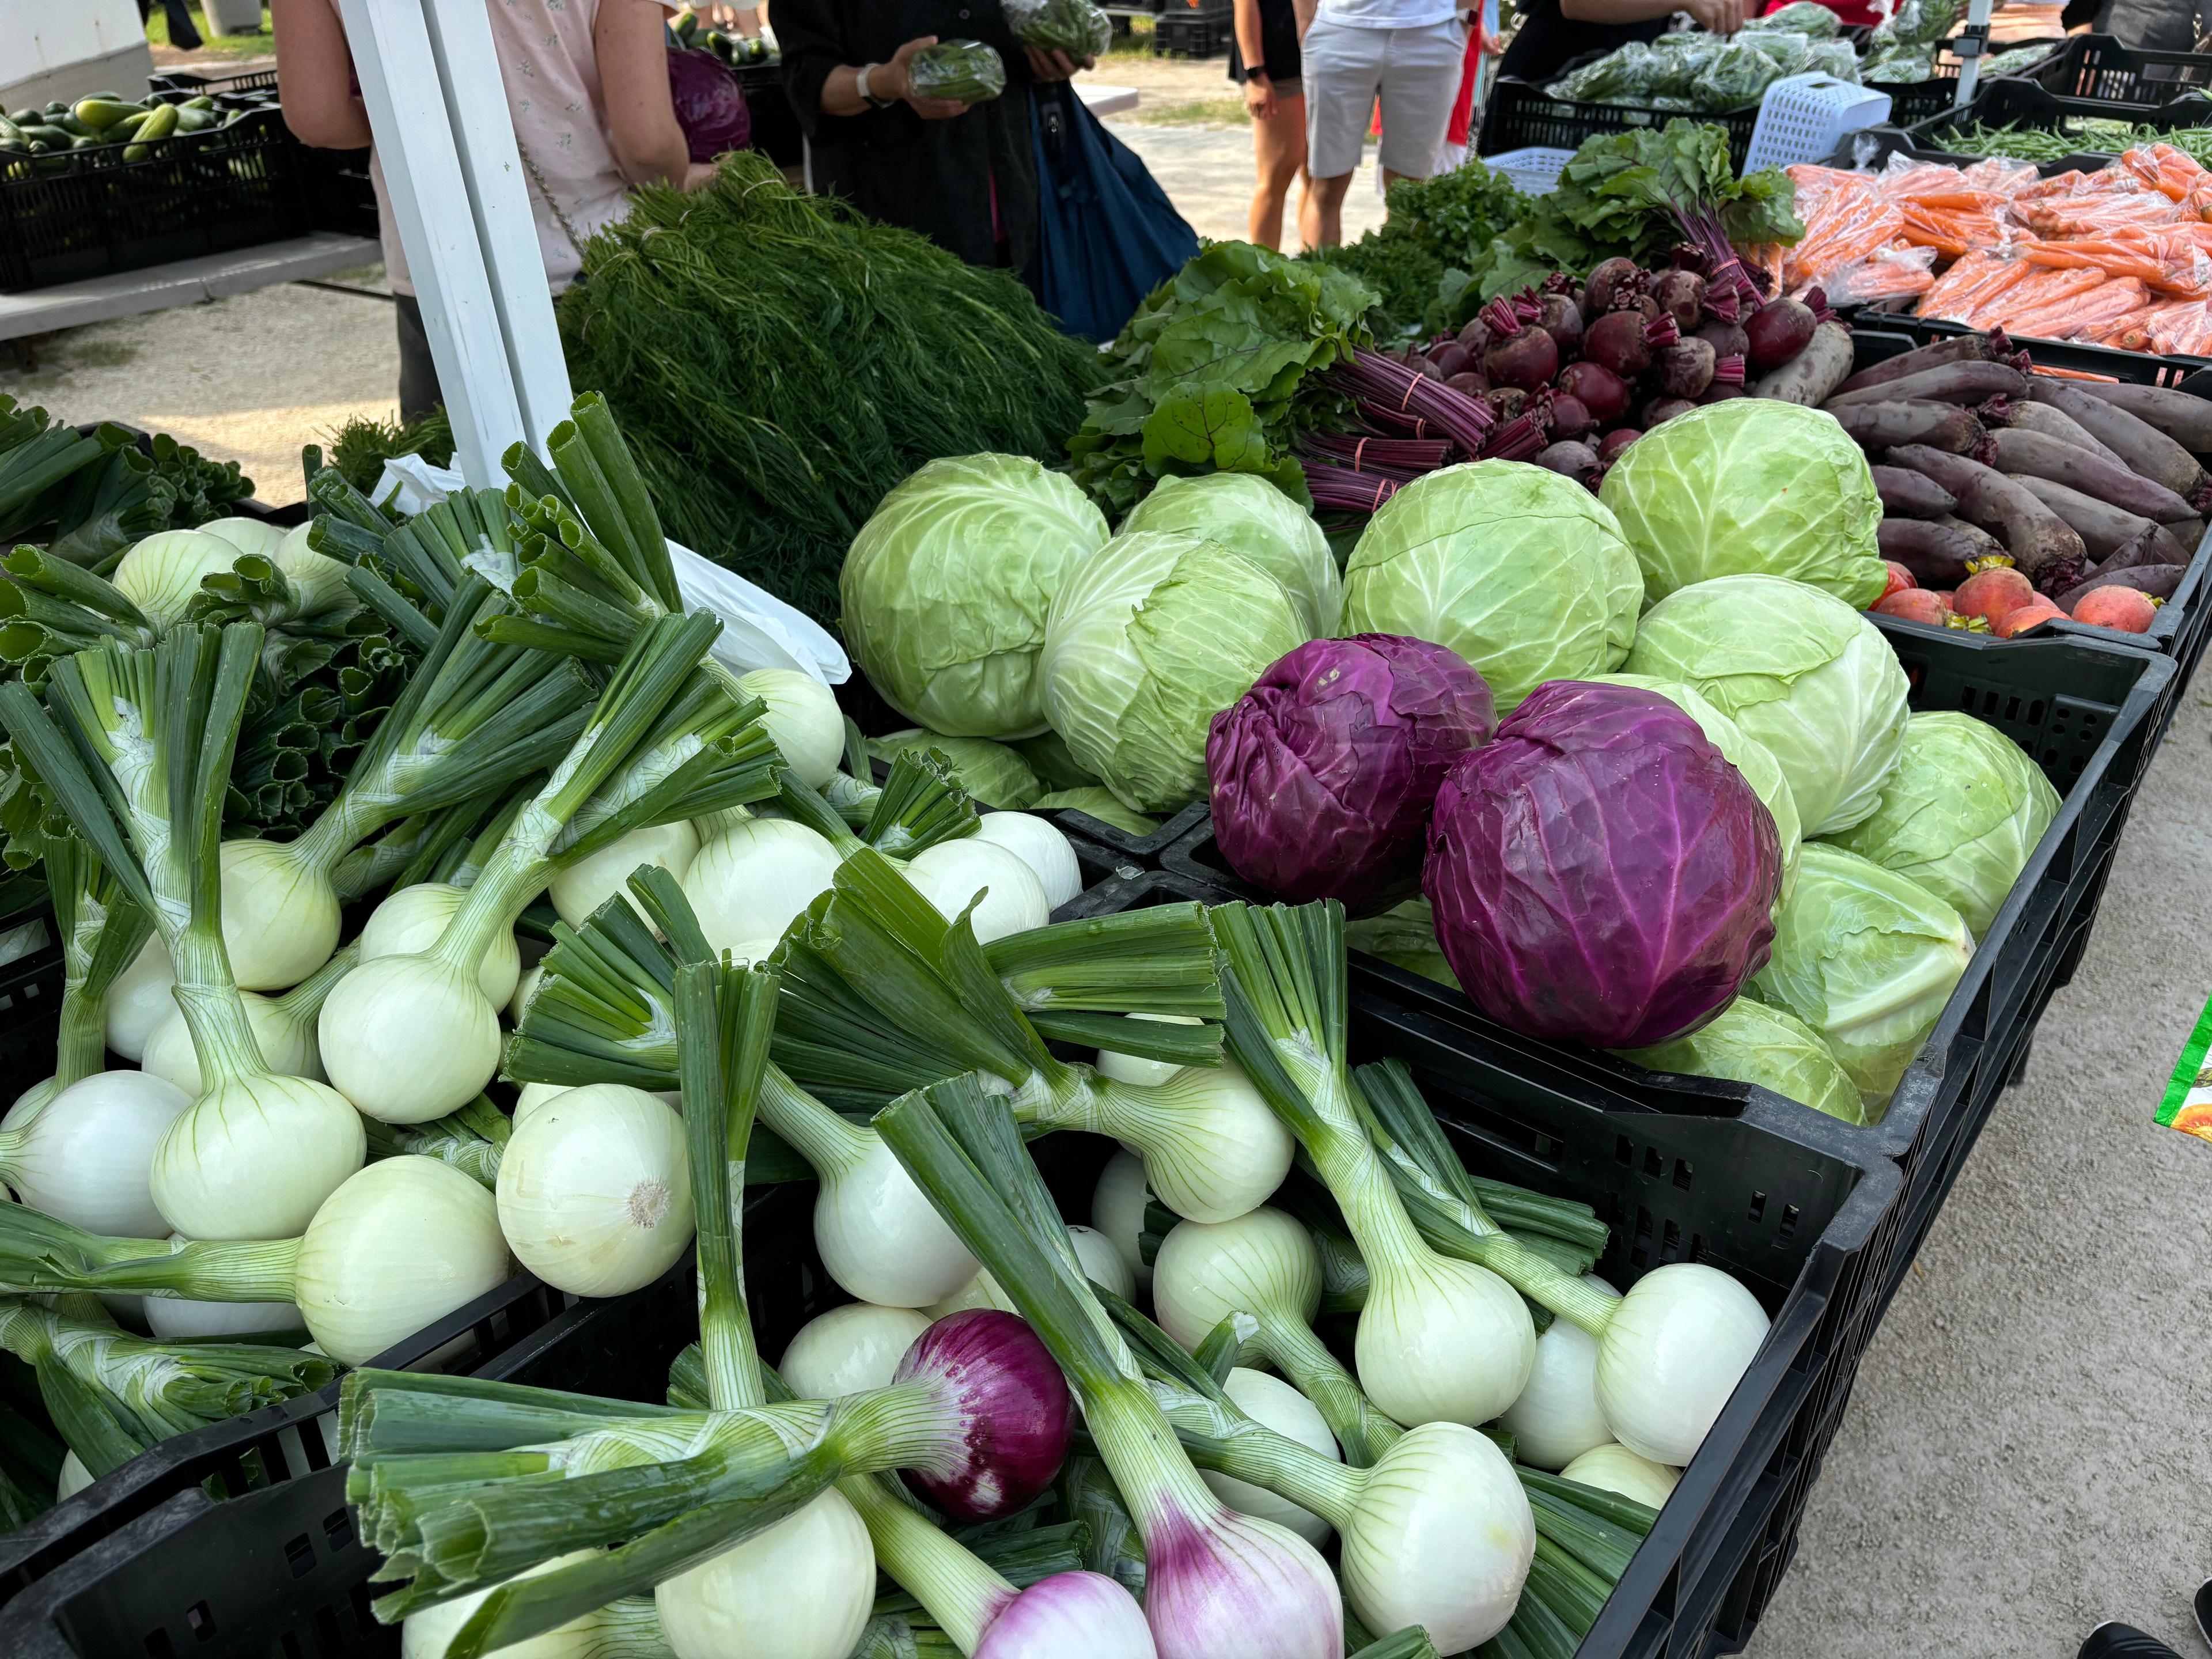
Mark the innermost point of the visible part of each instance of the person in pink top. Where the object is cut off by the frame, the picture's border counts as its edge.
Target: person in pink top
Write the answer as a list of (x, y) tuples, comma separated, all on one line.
[(587, 84)]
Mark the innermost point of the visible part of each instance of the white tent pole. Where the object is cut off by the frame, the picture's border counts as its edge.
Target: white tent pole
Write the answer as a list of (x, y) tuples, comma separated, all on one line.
[(499, 196), (400, 85)]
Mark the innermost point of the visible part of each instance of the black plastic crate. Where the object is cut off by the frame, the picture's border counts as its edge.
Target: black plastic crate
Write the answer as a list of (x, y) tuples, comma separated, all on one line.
[(2028, 104), (281, 1571), (2184, 621), (30, 996), (1918, 100), (339, 194), (2084, 712), (1518, 116), (2098, 67), (1181, 35), (96, 212)]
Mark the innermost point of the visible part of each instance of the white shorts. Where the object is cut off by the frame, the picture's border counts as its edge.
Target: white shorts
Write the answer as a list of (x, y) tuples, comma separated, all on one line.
[(1415, 72)]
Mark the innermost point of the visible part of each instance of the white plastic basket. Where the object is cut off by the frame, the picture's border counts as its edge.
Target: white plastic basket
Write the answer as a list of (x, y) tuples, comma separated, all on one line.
[(1804, 117), (1533, 172)]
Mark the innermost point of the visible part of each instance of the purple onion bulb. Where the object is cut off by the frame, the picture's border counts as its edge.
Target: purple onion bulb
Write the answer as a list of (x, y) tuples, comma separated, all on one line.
[(1069, 1613), (1010, 1399)]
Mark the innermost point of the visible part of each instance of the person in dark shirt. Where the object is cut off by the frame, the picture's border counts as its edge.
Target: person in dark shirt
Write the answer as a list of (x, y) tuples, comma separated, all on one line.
[(1555, 32), (1263, 59), (962, 175)]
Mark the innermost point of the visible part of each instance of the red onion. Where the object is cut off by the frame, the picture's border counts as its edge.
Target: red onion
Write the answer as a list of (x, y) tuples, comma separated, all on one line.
[(1008, 1404), (1084, 1613)]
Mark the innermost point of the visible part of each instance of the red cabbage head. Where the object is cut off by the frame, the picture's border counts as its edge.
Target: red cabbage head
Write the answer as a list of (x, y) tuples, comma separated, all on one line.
[(709, 107), (1323, 773), (1599, 872)]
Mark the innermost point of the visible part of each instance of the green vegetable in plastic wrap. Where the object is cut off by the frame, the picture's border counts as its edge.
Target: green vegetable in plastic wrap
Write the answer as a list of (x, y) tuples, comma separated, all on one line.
[(2019, 59), (1786, 48), (1738, 75), (1807, 17), (1075, 27), (962, 71), (1899, 66), (1630, 72), (1834, 58), (1915, 23)]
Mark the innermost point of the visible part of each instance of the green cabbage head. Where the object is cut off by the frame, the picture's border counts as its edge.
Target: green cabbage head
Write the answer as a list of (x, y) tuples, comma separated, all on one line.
[(1749, 485), (1147, 641), (1750, 1042), (992, 773), (945, 589), (1249, 516), (1743, 751), (1868, 959), (1518, 570), (1800, 671), (1961, 815)]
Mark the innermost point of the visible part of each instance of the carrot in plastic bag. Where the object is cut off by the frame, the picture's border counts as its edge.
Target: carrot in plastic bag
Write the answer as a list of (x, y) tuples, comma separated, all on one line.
[(2079, 315), (1961, 293), (1887, 273)]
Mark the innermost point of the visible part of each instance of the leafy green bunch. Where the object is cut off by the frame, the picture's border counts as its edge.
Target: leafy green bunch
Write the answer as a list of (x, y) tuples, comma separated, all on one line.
[(1218, 371), (1638, 194), (1438, 230)]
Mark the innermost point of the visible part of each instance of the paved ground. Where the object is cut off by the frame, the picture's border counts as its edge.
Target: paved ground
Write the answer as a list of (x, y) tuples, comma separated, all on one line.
[(2026, 1454)]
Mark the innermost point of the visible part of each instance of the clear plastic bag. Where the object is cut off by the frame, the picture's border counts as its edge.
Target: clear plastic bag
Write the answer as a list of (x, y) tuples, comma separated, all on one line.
[(1738, 75), (1807, 17), (1916, 24), (1075, 27), (1787, 50), (1628, 73), (1899, 66), (1834, 57), (960, 71)]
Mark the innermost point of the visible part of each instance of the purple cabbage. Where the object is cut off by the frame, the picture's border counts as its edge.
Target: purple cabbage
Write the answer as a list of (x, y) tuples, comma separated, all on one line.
[(1009, 1398), (709, 107), (1600, 873), (1323, 773)]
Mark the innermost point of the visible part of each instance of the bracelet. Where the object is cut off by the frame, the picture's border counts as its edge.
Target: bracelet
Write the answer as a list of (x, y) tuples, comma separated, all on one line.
[(860, 85)]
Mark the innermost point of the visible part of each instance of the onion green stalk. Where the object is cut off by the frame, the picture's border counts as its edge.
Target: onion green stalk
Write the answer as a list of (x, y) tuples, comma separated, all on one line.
[(1440, 1338), (142, 773), (471, 1140), (284, 1027), (158, 1390), (1218, 1585), (476, 717), (102, 932), (410, 1037), (883, 994)]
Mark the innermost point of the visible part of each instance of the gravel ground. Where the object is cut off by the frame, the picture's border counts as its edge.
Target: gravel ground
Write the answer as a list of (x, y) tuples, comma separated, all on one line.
[(2025, 1454)]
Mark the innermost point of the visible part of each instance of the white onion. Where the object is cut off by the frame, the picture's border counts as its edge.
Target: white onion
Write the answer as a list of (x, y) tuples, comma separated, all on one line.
[(804, 720), (880, 1237), (954, 874), (181, 1319), (1038, 843), (532, 1096), (87, 1158), (525, 988), (1261, 1263), (802, 1589), (1117, 1209), (412, 920), (850, 1348), (1557, 1419), (1134, 1068), (399, 1245), (1211, 1146), (594, 1194), (73, 1479), (1094, 1252), (1672, 1353), (1271, 1401), (161, 574), (280, 915), (590, 882), (408, 1038), (1613, 1467), (139, 1000), (256, 1157), (248, 535), (750, 881), (287, 1043)]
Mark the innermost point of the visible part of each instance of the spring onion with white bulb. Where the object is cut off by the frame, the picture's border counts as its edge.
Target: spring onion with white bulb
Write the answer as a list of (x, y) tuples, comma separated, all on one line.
[(1218, 1585), (139, 1000), (476, 717), (103, 934), (594, 1194), (472, 1140), (1117, 1209), (1038, 843), (283, 1028), (396, 1247), (407, 1038), (1096, 1259), (1440, 1339), (711, 1505), (88, 1156), (1613, 1468), (1557, 1419), (933, 1009), (258, 1152), (847, 1349), (1669, 1353), (410, 920)]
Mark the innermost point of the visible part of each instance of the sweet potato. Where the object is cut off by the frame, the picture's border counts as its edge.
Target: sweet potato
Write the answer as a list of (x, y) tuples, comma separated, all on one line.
[(2182, 415), (2147, 451), (2044, 546), (2039, 456), (1884, 425), (1935, 554), (1964, 349), (2104, 529), (1812, 376), (1953, 383), (1909, 495)]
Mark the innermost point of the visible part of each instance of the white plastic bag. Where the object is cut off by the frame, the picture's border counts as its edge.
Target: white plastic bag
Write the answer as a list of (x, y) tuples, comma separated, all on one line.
[(759, 631)]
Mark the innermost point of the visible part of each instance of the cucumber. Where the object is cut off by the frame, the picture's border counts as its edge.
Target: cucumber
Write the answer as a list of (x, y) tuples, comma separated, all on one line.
[(204, 101), (67, 123), (126, 127), (100, 113), (28, 117), (158, 125), (194, 120), (51, 138)]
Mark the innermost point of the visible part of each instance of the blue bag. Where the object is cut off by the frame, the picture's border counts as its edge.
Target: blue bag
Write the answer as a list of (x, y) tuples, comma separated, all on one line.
[(1107, 234)]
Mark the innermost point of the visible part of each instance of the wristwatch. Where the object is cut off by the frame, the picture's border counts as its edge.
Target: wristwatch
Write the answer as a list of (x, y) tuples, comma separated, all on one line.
[(860, 85)]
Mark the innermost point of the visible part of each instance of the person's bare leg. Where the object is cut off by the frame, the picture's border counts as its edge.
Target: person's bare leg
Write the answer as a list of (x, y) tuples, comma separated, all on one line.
[(1279, 147), (1321, 217)]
